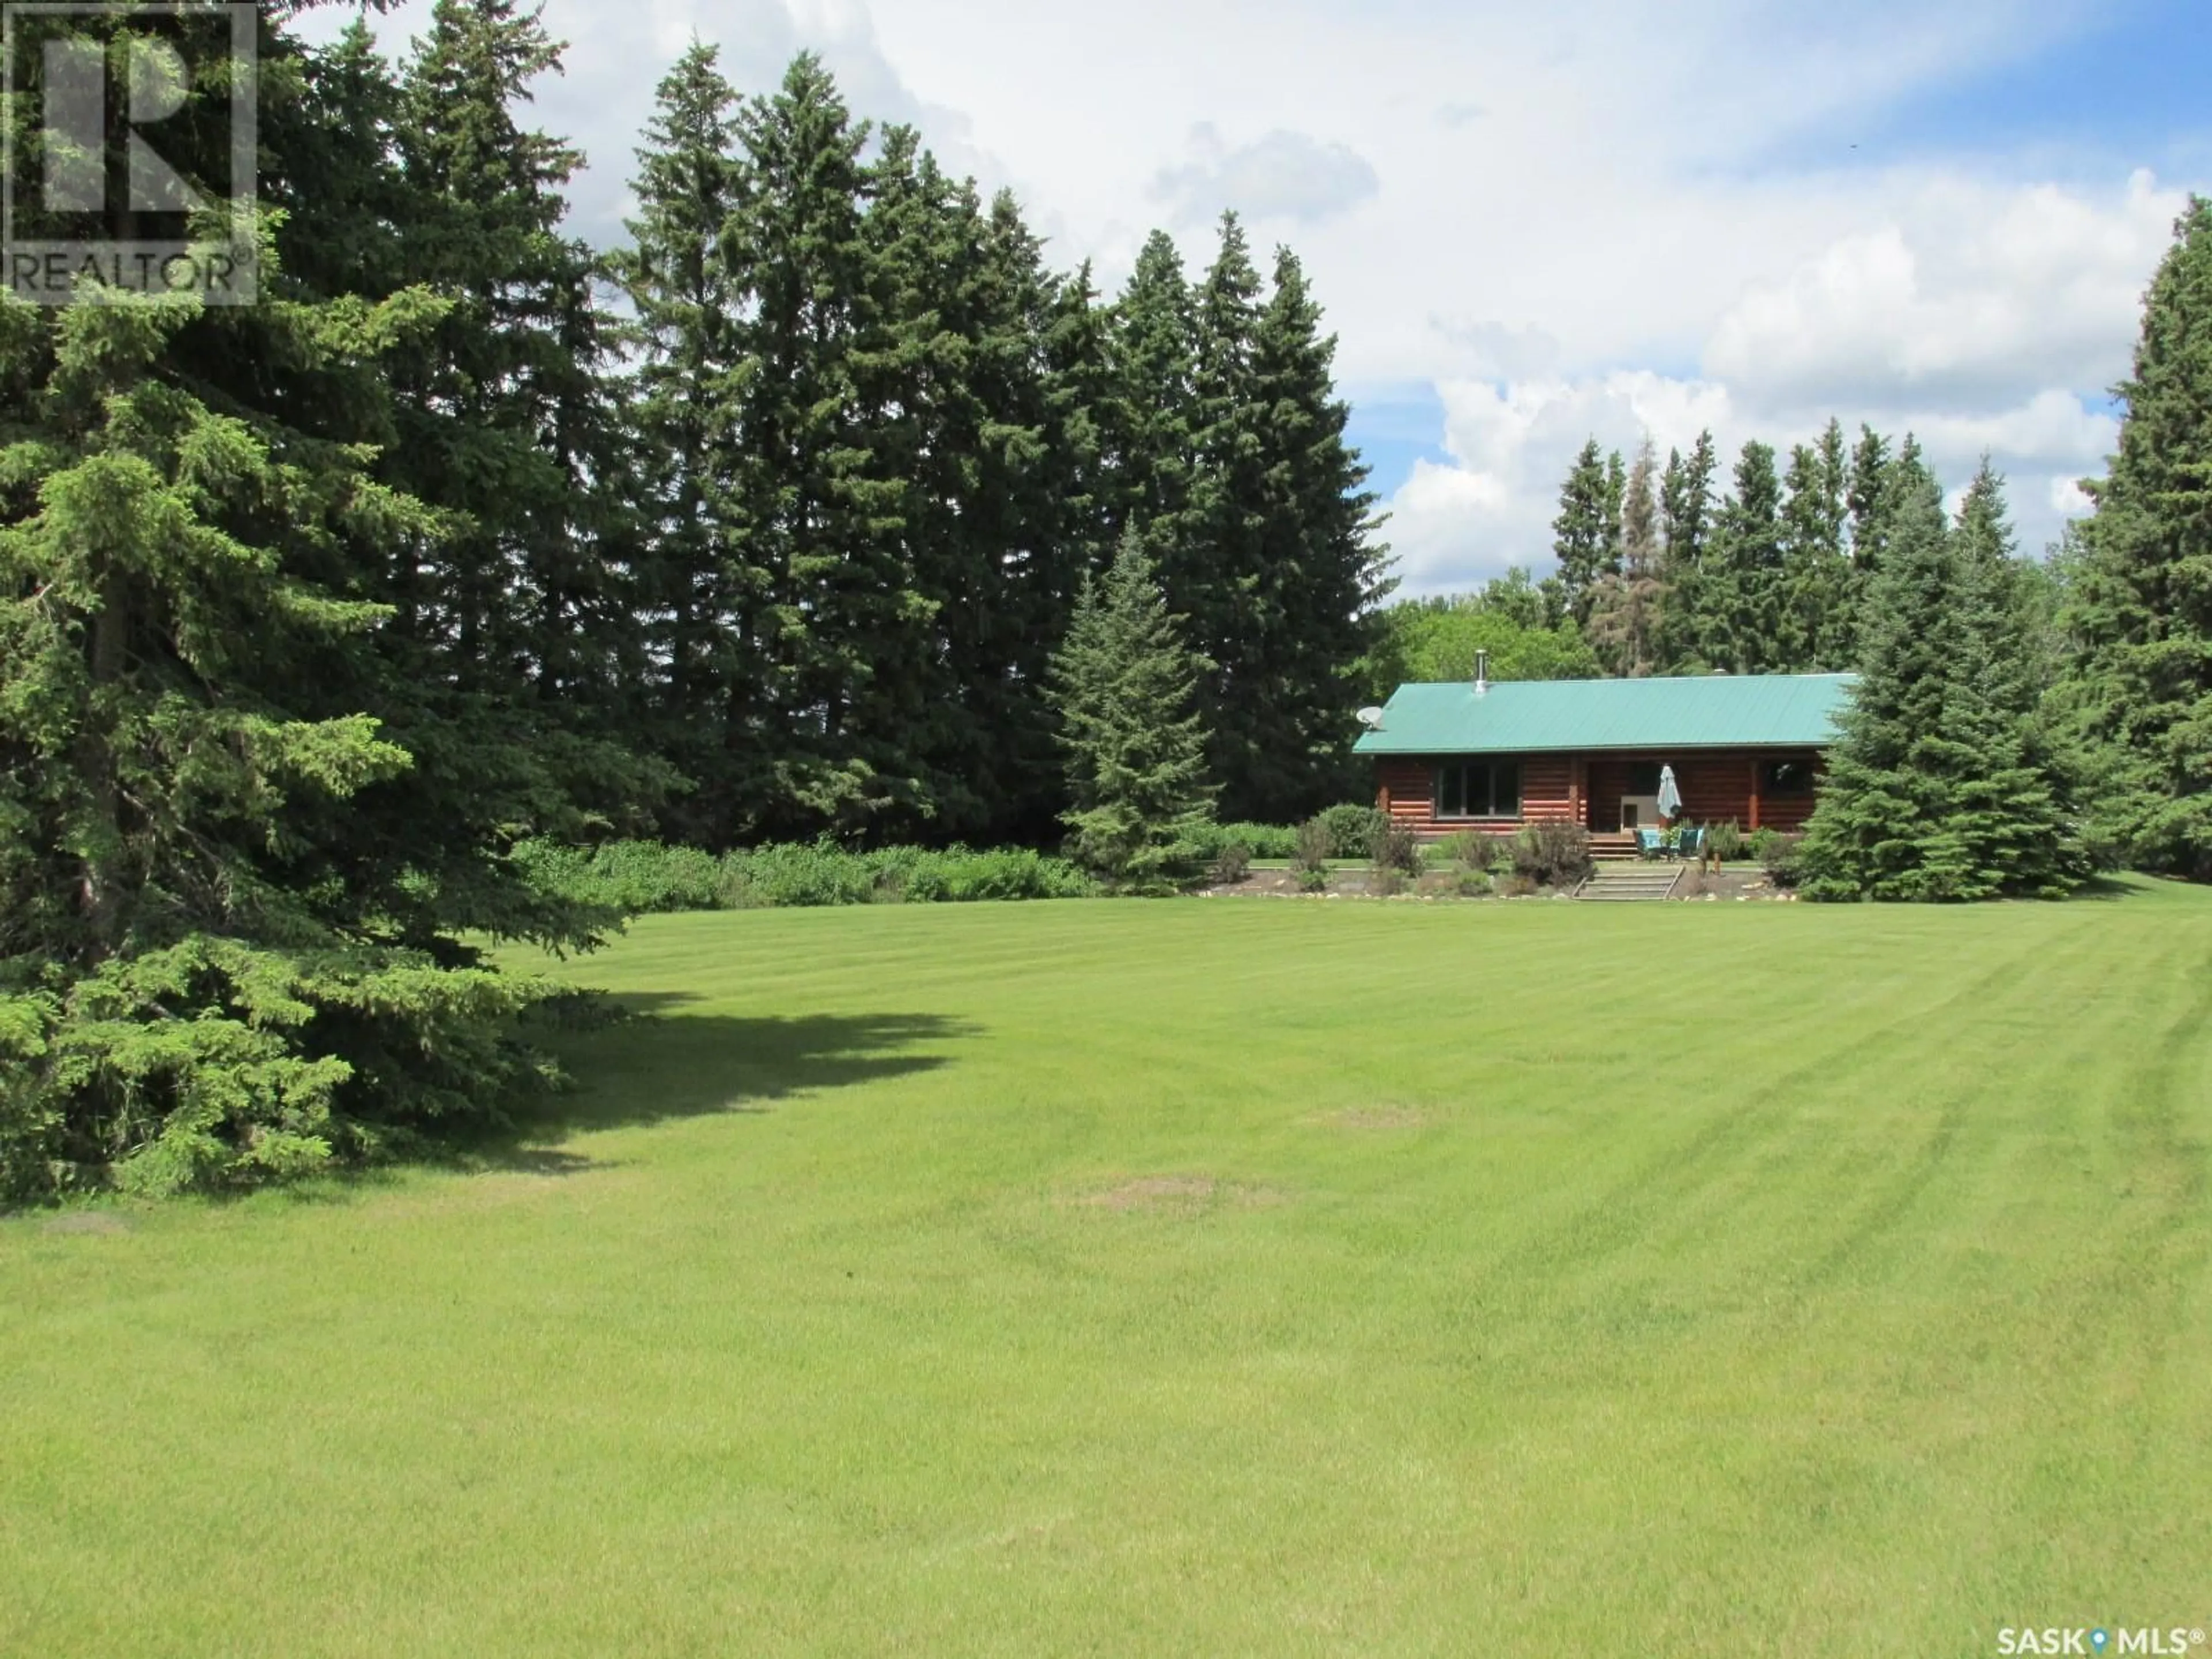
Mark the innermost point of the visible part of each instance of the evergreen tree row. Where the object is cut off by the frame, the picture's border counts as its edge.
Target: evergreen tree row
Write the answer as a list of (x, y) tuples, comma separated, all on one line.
[(888, 446), (1667, 573), (1947, 781)]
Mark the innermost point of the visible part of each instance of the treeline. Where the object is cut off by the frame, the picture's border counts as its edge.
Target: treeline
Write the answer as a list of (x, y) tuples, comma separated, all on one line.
[(766, 526), (1674, 570)]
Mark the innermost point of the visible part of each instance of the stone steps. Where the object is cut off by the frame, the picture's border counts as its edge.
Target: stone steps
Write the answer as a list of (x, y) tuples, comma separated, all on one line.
[(1628, 882)]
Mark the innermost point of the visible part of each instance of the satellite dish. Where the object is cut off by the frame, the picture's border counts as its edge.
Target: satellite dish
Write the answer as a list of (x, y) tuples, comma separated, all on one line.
[(1371, 719)]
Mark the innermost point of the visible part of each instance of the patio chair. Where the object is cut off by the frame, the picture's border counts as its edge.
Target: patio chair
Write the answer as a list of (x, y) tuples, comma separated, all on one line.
[(1648, 843), (1692, 839)]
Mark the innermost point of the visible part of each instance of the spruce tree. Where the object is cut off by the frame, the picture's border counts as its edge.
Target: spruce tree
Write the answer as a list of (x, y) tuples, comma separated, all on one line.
[(1584, 535), (1318, 552), (1125, 683), (2141, 691), (1216, 572), (506, 424), (1740, 624), (1685, 514), (1147, 422), (1815, 629), (829, 735), (1616, 501), (1941, 785), (694, 579), (1865, 492), (1625, 615)]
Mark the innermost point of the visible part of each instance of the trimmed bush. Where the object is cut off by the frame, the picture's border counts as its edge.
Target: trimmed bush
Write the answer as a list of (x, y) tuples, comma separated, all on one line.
[(1260, 840), (1352, 829), (1551, 854)]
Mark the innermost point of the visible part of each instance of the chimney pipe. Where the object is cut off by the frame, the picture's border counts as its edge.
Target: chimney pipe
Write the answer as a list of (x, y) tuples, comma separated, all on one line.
[(1482, 673)]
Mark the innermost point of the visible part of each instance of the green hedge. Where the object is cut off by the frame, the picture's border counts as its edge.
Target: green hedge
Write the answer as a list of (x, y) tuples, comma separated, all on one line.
[(643, 877), (1262, 841)]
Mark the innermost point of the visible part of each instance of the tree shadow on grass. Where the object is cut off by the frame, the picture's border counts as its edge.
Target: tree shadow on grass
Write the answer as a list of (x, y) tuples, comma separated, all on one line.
[(648, 1064), (2108, 889), (649, 1067)]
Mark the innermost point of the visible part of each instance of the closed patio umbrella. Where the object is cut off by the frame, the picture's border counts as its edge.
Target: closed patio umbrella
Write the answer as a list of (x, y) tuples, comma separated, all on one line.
[(1670, 794)]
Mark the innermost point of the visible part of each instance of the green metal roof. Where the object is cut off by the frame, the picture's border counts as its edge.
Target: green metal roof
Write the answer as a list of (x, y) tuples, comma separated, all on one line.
[(1717, 711)]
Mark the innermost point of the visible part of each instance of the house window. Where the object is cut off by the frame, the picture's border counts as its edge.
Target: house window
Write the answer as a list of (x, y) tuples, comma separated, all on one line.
[(1478, 789), (1785, 778)]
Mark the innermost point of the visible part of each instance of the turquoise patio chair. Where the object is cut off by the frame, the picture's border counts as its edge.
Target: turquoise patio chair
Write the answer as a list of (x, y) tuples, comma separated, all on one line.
[(1648, 843)]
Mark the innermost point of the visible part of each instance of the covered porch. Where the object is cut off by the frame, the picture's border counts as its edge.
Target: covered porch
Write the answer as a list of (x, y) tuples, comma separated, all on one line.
[(1610, 793)]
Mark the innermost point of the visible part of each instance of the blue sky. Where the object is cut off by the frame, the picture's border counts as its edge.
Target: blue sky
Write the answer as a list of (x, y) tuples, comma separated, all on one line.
[(2128, 83), (1395, 427)]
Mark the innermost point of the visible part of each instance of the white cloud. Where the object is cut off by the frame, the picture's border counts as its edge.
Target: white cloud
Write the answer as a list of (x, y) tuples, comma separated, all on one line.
[(1283, 175), (1493, 351), (1968, 292)]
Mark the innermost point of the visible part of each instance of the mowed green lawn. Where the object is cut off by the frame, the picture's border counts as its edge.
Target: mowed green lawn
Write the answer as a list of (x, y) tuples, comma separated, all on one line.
[(1205, 1277)]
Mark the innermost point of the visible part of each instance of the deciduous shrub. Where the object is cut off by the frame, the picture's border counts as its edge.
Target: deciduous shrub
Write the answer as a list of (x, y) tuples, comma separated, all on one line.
[(637, 877), (641, 878), (1551, 854), (1310, 858), (1725, 841), (794, 875), (1352, 829), (1782, 858), (958, 875), (1476, 851), (1231, 864), (1397, 851)]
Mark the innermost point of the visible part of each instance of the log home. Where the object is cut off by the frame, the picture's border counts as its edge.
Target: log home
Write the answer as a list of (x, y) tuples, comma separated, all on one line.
[(1483, 756)]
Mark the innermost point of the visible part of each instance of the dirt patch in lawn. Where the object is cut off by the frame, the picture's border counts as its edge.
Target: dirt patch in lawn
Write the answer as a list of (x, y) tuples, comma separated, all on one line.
[(92, 1223), (1379, 1117), (1177, 1194)]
